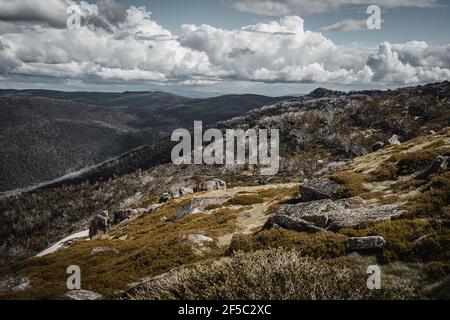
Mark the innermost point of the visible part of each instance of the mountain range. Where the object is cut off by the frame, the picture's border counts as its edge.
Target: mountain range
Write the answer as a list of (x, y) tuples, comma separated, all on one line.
[(47, 134)]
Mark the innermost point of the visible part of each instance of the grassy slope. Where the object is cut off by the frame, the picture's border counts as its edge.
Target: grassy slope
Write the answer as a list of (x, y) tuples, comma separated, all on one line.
[(151, 245)]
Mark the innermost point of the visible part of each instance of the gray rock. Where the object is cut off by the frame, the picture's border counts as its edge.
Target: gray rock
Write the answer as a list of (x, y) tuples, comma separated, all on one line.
[(165, 197), (122, 215), (211, 185), (330, 215), (365, 243), (98, 250), (332, 167), (292, 223), (439, 165), (319, 189), (198, 240), (353, 217), (185, 191), (83, 295), (152, 209), (394, 140), (14, 284), (198, 205), (377, 146), (99, 224), (176, 193)]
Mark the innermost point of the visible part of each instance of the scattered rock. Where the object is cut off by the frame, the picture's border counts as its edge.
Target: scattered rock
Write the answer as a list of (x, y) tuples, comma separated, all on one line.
[(83, 295), (394, 140), (353, 217), (419, 240), (198, 240), (152, 209), (319, 189), (13, 284), (330, 215), (122, 215), (98, 250), (198, 205), (173, 194), (365, 243), (99, 224), (377, 146), (185, 191), (331, 168), (440, 164), (292, 223), (165, 197), (211, 185)]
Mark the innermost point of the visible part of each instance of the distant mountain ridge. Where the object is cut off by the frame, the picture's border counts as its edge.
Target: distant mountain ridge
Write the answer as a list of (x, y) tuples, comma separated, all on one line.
[(348, 115), (47, 134)]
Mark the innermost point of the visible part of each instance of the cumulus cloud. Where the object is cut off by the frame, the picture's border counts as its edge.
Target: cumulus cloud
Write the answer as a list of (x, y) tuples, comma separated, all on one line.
[(412, 62), (50, 12), (274, 51), (346, 25), (125, 47), (118, 44), (301, 7)]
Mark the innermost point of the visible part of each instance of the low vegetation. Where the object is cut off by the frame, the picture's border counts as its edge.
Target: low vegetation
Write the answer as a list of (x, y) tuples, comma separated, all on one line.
[(319, 245), (275, 274)]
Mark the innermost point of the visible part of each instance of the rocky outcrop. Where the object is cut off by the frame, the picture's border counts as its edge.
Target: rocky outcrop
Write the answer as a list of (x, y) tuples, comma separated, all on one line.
[(152, 209), (185, 191), (165, 197), (377, 146), (439, 165), (198, 205), (83, 295), (99, 224), (98, 250), (13, 284), (198, 240), (179, 192), (122, 215), (211, 185), (394, 140), (332, 167), (365, 243), (292, 223), (330, 215), (319, 189)]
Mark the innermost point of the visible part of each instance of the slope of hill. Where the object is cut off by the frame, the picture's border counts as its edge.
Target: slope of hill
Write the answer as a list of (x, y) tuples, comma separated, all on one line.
[(324, 125), (47, 134), (397, 191), (153, 256)]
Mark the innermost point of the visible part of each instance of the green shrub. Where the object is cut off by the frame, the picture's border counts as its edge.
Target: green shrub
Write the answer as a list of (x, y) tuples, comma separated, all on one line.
[(399, 235), (319, 245), (386, 171), (352, 183), (246, 199), (418, 160), (434, 200)]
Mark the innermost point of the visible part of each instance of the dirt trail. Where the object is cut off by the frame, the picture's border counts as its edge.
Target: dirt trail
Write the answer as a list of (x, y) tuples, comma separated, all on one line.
[(250, 220)]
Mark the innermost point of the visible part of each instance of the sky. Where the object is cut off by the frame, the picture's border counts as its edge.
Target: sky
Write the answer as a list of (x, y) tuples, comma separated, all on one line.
[(211, 47)]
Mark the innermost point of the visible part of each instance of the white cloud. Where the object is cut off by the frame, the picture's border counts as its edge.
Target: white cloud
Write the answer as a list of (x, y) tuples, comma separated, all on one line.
[(50, 12), (302, 7), (117, 44), (274, 51), (132, 47), (346, 25), (413, 62)]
